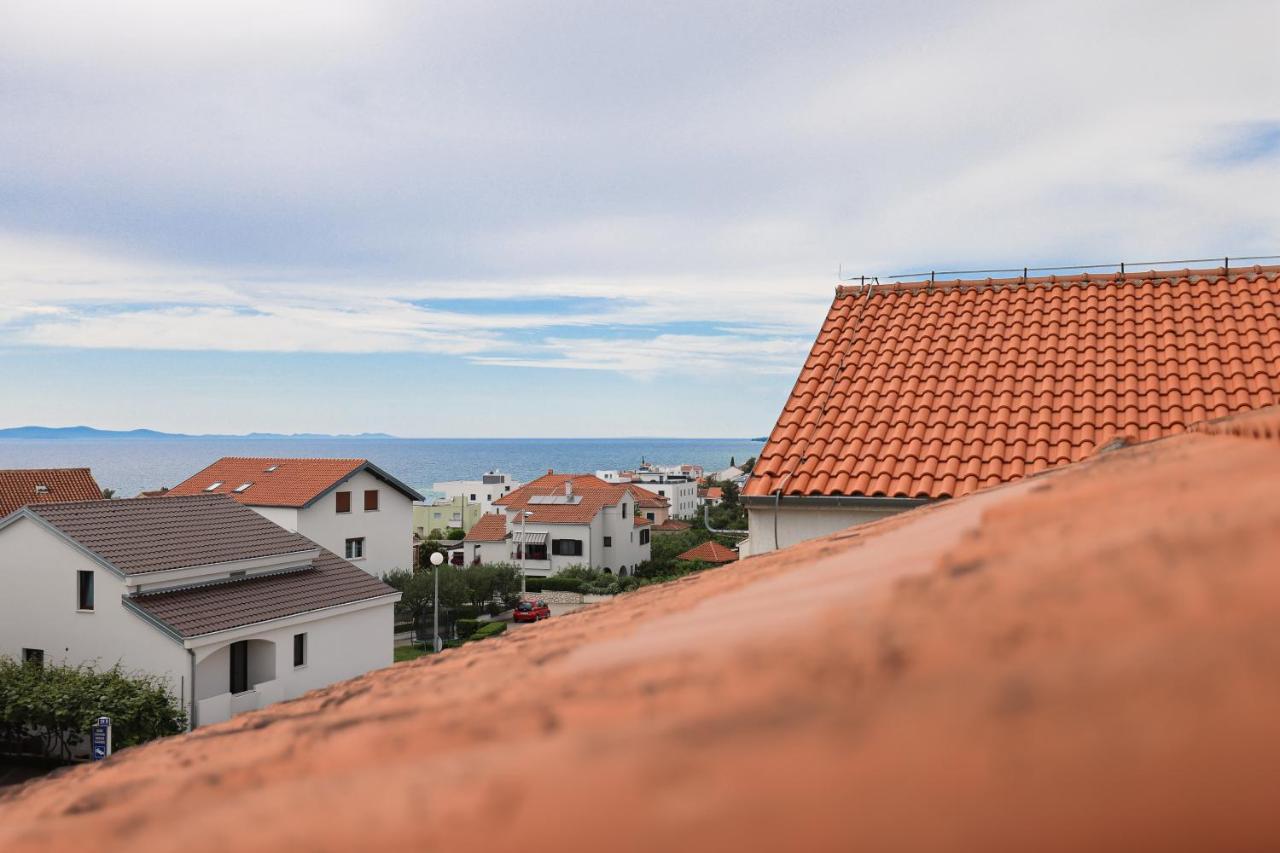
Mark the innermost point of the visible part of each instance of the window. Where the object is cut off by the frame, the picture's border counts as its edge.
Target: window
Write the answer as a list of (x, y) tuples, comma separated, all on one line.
[(35, 657), (649, 516), (644, 536), (240, 666), (355, 548), (473, 497), (608, 541), (537, 551), (299, 650), (240, 488), (371, 500), (662, 492), (270, 468), (624, 509), (84, 590), (343, 501), (566, 547), (213, 487)]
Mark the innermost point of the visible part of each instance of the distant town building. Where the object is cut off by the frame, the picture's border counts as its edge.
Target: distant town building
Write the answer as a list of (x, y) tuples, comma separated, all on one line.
[(563, 520), (485, 492), (677, 483), (456, 512), (231, 611), (350, 506)]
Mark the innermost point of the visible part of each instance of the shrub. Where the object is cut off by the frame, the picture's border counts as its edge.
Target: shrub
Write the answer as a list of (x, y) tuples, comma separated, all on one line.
[(50, 709), (533, 584), (467, 627), (488, 629)]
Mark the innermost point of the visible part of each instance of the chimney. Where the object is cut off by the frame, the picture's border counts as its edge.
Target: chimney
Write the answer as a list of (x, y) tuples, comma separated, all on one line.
[(568, 488), (551, 470)]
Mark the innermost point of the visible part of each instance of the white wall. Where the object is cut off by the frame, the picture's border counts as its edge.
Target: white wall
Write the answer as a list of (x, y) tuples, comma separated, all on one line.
[(38, 611), (485, 493), (285, 516), (387, 532), (340, 645), (683, 494), (626, 549), (797, 524)]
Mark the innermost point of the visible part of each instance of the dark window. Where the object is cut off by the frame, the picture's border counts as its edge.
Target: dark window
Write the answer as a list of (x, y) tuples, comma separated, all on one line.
[(649, 516), (624, 509), (566, 547), (35, 657), (240, 666), (355, 548), (537, 551), (473, 497), (343, 501), (85, 590), (299, 649), (644, 537), (370, 500), (608, 541)]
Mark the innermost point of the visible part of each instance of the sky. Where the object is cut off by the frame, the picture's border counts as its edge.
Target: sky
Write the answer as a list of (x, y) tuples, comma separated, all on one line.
[(572, 219)]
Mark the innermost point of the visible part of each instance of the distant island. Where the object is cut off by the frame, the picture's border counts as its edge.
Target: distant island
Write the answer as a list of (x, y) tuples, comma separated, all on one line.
[(73, 432)]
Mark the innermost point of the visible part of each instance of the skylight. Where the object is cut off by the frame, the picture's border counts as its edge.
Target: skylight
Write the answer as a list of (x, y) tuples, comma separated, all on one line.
[(242, 487), (213, 487), (272, 468)]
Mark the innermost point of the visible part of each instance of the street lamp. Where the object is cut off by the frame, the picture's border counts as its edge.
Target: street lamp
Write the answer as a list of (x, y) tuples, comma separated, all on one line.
[(524, 551), (436, 559)]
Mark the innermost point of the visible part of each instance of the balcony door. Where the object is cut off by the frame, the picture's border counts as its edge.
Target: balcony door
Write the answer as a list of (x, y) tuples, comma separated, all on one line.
[(240, 666)]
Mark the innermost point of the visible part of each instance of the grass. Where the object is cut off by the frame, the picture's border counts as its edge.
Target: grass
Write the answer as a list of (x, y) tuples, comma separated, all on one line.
[(404, 653)]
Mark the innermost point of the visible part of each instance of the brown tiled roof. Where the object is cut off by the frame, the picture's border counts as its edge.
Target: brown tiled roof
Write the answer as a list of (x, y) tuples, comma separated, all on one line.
[(640, 521), (714, 493), (491, 527), (1083, 661), (293, 483), (595, 494), (929, 391), (647, 499), (20, 487), (330, 582), (710, 552), (671, 525), (138, 535)]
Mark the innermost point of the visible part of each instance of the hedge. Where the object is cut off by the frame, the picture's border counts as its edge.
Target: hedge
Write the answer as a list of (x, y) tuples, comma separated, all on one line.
[(534, 584), (555, 584), (467, 627), (489, 629)]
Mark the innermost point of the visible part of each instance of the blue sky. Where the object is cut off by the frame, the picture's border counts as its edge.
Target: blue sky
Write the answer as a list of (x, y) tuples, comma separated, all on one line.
[(558, 219)]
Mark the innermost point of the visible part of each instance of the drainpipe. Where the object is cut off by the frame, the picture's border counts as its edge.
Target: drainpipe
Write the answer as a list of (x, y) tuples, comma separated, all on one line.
[(706, 522), (192, 722)]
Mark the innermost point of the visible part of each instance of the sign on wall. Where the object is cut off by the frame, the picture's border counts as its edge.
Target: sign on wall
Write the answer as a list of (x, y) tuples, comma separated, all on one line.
[(100, 738)]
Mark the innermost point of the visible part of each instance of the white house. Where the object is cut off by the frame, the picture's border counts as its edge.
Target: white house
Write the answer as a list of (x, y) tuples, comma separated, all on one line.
[(349, 506), (487, 541), (680, 489), (231, 611), (486, 491), (563, 520)]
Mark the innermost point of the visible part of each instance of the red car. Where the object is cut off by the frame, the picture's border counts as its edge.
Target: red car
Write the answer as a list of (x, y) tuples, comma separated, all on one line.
[(531, 611)]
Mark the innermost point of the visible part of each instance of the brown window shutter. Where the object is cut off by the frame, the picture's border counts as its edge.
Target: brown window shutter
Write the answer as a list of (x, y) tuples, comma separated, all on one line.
[(370, 500), (344, 501)]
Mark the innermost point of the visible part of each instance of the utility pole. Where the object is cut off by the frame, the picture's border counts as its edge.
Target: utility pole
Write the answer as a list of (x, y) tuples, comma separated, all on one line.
[(436, 560)]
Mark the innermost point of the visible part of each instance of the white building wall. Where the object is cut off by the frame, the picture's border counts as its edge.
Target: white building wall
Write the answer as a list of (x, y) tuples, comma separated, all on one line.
[(285, 516), (485, 493), (797, 524), (38, 611), (626, 549), (683, 494), (387, 531)]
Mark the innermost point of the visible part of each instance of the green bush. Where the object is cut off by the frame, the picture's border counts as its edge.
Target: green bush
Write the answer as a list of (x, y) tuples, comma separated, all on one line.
[(533, 584), (558, 583), (488, 629), (466, 611), (50, 709), (467, 627)]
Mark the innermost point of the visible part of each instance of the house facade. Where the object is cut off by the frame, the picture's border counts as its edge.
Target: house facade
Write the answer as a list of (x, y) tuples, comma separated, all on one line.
[(229, 610), (349, 506), (455, 512), (924, 391), (484, 492), (563, 520)]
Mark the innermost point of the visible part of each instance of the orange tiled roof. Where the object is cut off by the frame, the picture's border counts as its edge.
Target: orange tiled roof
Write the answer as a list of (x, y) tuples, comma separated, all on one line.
[(924, 391), (594, 494), (292, 483), (710, 552), (22, 486), (646, 498), (641, 521), (671, 525), (491, 527)]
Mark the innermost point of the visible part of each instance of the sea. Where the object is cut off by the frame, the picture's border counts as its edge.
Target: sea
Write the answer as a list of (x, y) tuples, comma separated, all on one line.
[(132, 465)]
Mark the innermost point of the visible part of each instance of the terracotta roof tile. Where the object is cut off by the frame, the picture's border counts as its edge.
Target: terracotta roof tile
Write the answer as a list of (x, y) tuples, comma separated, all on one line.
[(923, 391), (671, 525), (23, 486), (647, 499), (491, 527), (590, 493), (710, 551), (279, 481)]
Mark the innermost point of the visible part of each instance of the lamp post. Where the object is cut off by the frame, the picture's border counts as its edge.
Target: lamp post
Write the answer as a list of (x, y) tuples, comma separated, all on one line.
[(436, 560), (524, 551)]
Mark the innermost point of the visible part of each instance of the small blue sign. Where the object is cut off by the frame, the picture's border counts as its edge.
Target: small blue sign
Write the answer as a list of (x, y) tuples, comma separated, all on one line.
[(100, 738)]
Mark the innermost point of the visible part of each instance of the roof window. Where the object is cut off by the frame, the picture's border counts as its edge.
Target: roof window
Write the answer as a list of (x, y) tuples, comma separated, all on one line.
[(42, 489), (242, 487), (271, 468), (213, 487)]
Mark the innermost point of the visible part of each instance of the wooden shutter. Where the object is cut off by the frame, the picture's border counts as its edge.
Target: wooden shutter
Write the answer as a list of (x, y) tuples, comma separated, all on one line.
[(344, 501)]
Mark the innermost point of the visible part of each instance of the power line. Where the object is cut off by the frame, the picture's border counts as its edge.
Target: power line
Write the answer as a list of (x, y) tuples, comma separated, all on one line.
[(1024, 271)]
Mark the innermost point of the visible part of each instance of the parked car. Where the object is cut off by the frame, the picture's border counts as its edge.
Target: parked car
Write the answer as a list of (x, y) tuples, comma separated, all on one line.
[(531, 611)]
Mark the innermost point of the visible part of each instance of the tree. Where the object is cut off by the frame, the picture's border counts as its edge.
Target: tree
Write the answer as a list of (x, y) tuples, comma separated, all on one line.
[(50, 708), (108, 494)]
